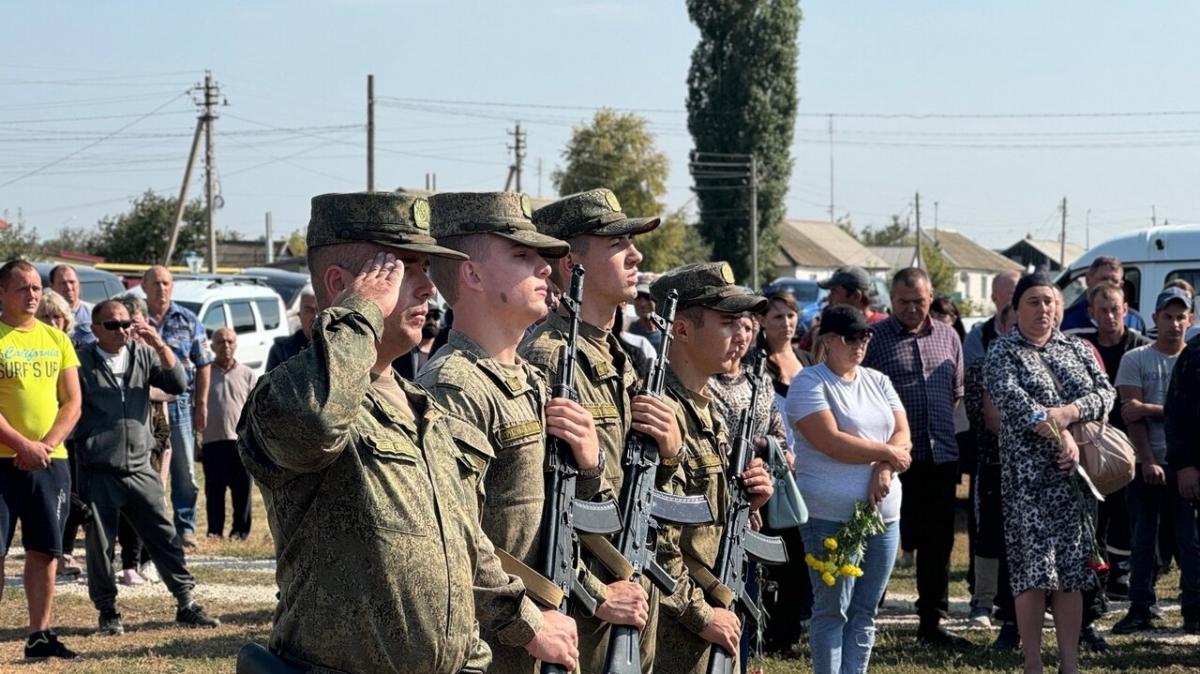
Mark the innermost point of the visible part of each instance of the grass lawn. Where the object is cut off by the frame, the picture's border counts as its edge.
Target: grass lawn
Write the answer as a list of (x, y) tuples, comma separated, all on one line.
[(243, 599)]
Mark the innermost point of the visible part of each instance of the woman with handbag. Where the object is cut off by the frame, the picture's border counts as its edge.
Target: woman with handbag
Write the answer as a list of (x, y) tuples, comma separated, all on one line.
[(851, 437), (1043, 382)]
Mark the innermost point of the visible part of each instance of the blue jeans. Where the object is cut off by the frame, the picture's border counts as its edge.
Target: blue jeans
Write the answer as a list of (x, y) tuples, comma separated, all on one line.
[(183, 464), (1187, 537), (1146, 504), (842, 630)]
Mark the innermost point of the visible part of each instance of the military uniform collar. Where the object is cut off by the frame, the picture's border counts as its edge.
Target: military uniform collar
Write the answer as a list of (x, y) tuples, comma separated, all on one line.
[(505, 377), (593, 346), (418, 400), (699, 399)]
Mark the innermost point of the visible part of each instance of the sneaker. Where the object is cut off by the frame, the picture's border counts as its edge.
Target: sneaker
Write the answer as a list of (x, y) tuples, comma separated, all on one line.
[(239, 536), (188, 540), (936, 636), (1138, 619), (906, 560), (193, 615), (42, 645), (980, 617), (110, 624), (68, 567), (150, 573), (1009, 638), (1090, 638), (131, 578), (214, 535)]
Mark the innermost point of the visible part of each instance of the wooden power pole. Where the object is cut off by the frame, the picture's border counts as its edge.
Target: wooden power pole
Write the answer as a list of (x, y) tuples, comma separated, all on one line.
[(370, 133), (210, 177), (513, 182)]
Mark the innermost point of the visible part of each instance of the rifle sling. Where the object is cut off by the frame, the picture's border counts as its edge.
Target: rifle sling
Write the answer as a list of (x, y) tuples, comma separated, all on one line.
[(709, 582), (537, 587), (608, 555)]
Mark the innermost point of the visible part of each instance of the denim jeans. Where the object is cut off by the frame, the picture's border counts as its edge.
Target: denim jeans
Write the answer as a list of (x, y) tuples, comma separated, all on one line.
[(183, 464), (1187, 536), (1146, 503), (842, 630)]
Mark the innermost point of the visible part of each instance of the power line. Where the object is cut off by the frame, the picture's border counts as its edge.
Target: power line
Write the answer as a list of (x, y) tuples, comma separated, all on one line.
[(90, 145)]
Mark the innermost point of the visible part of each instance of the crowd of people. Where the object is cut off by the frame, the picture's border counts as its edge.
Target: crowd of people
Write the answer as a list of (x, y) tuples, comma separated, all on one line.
[(400, 450)]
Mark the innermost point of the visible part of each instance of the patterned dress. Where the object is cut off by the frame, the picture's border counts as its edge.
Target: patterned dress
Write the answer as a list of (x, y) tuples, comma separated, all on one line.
[(1044, 525)]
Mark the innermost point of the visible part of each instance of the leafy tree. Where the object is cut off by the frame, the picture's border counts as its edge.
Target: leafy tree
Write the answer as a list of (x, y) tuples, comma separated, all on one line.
[(140, 235), (616, 151), (298, 244), (942, 274), (18, 241), (894, 234), (742, 100), (673, 243), (74, 239)]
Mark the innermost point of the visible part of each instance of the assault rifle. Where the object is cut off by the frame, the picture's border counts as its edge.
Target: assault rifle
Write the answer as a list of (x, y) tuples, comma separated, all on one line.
[(562, 515), (645, 509), (739, 543)]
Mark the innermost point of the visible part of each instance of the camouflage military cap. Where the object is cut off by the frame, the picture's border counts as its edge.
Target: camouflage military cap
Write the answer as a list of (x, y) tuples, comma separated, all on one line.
[(391, 219), (505, 214), (709, 285), (595, 212)]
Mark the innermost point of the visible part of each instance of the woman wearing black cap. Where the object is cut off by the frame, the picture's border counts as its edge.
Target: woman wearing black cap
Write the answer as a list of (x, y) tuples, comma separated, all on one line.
[(1042, 382), (851, 435)]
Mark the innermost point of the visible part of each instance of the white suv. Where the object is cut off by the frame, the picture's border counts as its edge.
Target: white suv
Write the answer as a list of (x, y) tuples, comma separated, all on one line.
[(254, 311)]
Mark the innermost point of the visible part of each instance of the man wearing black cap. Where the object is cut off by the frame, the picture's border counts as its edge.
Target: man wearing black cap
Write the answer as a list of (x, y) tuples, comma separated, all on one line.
[(851, 286), (643, 305), (710, 305)]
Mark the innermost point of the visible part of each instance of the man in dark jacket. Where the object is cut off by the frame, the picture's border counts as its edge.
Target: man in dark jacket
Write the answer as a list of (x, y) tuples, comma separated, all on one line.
[(286, 347), (114, 441)]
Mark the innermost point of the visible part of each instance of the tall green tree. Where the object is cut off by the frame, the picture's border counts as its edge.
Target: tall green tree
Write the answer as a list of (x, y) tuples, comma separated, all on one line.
[(616, 150), (18, 241), (742, 100), (672, 243), (942, 274), (140, 234), (894, 234)]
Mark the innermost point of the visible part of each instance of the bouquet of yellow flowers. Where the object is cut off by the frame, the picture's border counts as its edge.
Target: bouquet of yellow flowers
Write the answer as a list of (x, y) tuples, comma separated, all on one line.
[(837, 561)]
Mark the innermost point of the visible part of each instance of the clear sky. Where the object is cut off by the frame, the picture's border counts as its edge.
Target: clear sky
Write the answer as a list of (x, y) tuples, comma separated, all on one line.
[(74, 74)]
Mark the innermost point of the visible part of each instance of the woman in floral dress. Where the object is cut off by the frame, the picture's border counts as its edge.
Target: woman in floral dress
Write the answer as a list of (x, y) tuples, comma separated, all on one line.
[(1042, 382)]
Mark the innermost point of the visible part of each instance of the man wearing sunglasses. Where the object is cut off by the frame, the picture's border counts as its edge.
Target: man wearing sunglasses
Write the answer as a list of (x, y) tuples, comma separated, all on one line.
[(114, 442)]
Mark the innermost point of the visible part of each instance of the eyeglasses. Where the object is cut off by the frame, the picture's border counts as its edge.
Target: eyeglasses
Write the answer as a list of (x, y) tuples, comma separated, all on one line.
[(862, 337), (117, 325)]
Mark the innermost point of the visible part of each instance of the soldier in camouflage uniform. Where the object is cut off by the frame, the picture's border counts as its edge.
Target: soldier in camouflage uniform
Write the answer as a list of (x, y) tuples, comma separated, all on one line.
[(502, 399), (381, 561), (702, 345), (601, 239)]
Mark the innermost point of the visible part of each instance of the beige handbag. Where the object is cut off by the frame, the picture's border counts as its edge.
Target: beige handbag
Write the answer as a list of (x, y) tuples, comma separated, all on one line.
[(1105, 453)]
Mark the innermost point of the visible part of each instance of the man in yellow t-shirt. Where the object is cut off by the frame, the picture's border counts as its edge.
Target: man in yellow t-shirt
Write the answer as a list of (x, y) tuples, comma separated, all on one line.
[(39, 405)]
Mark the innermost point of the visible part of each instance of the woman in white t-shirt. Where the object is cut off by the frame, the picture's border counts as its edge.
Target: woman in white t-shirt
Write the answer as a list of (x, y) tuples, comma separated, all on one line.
[(851, 438)]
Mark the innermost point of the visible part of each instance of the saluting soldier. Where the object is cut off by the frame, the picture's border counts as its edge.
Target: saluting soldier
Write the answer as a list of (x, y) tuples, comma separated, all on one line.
[(702, 345), (601, 238), (502, 401), (381, 561)]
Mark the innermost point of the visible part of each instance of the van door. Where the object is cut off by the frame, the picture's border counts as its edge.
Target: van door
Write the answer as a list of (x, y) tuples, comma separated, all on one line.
[(214, 317), (251, 349)]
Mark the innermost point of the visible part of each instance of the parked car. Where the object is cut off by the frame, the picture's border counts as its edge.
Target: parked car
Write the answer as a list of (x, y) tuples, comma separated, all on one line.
[(94, 284), (253, 309), (1151, 258), (809, 296), (289, 284)]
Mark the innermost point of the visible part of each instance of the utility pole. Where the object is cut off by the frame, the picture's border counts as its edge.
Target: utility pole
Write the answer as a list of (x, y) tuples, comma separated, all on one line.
[(918, 262), (514, 170), (1062, 238), (370, 133), (740, 167), (270, 241), (210, 178), (832, 219), (753, 221), (935, 221), (539, 192)]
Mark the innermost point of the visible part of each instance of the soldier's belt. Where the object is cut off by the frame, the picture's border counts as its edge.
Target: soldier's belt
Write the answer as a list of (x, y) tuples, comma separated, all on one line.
[(703, 577), (608, 555), (537, 587)]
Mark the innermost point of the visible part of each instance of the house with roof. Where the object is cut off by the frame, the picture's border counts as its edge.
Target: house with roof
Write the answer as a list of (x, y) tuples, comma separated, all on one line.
[(813, 249), (1041, 255), (975, 264)]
